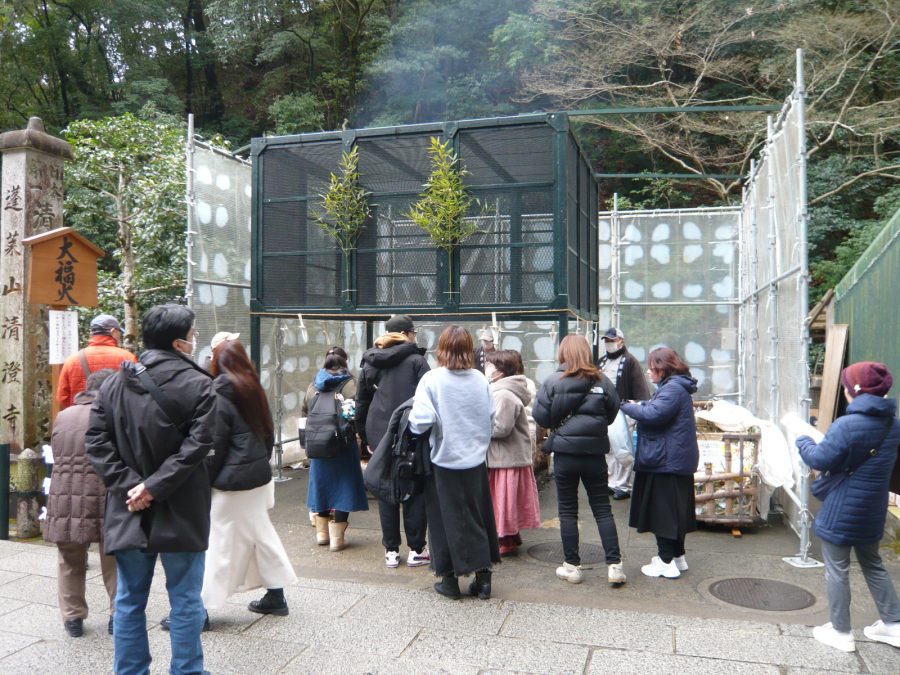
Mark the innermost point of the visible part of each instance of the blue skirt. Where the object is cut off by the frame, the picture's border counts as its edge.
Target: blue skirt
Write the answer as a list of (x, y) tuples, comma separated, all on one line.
[(337, 483)]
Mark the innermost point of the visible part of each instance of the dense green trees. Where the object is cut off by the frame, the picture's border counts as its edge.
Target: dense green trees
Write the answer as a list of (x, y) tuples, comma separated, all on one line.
[(285, 66)]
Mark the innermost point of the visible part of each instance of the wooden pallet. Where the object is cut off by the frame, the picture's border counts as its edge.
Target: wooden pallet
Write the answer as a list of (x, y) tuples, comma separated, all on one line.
[(729, 494)]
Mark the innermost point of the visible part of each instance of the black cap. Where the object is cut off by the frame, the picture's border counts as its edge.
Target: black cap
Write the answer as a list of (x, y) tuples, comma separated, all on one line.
[(613, 334), (399, 323)]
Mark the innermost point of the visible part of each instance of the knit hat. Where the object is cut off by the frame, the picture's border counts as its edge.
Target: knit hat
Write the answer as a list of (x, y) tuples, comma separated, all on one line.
[(867, 377), (221, 337), (102, 324), (399, 323)]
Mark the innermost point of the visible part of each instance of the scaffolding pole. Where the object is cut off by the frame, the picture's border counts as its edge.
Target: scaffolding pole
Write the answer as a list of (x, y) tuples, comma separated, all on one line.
[(189, 200), (802, 559), (614, 261)]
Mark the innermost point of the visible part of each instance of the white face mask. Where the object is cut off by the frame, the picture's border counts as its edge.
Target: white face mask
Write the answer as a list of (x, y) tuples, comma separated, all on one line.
[(611, 347)]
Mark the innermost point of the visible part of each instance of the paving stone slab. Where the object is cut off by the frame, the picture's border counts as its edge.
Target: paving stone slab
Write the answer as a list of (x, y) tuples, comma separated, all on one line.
[(526, 655), (317, 660), (13, 642), (10, 604), (640, 663), (759, 647), (327, 602), (230, 653), (43, 621), (429, 610), (589, 626), (879, 657), (28, 562), (7, 576), (45, 591), (59, 658), (389, 635)]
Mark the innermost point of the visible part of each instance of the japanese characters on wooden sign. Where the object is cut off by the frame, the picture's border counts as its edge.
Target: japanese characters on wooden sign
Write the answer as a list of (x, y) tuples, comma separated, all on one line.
[(63, 268)]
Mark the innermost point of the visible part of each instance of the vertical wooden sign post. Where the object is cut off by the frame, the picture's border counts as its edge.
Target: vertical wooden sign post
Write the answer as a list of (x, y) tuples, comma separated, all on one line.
[(62, 273)]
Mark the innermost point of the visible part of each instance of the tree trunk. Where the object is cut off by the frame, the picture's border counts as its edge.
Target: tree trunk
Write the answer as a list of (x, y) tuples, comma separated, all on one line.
[(125, 240)]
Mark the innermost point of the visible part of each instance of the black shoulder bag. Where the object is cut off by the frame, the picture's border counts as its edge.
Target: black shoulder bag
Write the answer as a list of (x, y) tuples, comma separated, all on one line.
[(166, 404), (827, 482)]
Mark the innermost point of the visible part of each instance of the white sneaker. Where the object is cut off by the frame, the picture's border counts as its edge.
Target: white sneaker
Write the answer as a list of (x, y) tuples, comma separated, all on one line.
[(615, 575), (889, 633), (392, 558), (418, 559), (570, 573), (680, 563), (827, 635), (657, 568)]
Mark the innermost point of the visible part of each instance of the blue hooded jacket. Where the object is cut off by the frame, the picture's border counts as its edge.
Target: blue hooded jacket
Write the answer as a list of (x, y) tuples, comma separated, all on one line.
[(667, 432), (326, 381), (854, 512)]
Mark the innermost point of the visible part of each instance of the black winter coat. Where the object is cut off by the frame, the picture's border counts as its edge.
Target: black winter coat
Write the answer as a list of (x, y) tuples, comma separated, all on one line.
[(130, 440), (631, 383), (594, 403), (240, 457), (388, 377)]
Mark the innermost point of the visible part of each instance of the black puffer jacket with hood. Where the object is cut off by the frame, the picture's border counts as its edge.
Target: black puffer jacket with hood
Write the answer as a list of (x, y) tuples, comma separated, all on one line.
[(240, 459), (130, 440), (389, 374), (593, 405)]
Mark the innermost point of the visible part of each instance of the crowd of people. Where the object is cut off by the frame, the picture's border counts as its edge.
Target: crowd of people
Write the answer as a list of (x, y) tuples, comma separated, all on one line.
[(159, 458)]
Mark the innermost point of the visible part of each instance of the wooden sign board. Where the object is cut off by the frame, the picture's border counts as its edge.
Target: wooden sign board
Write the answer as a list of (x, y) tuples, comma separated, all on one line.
[(63, 269), (835, 353)]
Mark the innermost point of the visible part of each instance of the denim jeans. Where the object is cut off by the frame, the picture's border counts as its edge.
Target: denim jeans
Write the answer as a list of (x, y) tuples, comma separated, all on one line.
[(837, 581), (184, 579), (590, 470)]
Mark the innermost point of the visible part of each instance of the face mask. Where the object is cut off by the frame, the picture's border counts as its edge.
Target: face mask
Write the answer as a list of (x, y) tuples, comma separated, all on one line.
[(611, 347)]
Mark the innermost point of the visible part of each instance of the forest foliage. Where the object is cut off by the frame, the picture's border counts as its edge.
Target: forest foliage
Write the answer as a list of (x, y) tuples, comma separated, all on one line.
[(245, 69)]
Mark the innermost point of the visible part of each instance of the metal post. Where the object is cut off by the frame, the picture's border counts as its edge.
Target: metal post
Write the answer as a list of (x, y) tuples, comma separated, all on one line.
[(615, 263), (189, 200), (754, 300), (774, 272), (4, 491), (279, 402), (802, 559)]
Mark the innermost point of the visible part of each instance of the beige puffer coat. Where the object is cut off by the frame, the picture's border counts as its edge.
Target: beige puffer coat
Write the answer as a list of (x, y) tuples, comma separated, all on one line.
[(511, 441), (77, 497)]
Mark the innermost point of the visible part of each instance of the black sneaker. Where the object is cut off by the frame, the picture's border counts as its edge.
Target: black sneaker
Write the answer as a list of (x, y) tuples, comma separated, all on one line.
[(620, 494), (74, 627), (269, 604), (166, 624)]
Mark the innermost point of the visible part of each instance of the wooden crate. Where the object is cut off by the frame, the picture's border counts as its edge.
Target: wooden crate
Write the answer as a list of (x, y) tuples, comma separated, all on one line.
[(727, 487)]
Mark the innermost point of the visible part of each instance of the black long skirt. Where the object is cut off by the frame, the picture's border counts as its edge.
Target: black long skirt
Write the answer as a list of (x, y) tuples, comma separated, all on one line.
[(462, 532), (663, 503)]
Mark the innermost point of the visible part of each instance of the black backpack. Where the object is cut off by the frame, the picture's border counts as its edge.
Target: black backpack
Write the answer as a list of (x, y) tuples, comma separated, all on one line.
[(327, 433)]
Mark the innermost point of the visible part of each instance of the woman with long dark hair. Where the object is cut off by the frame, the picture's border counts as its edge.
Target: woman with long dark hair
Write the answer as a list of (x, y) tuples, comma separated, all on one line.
[(665, 460), (454, 401), (577, 403), (244, 549), (335, 483)]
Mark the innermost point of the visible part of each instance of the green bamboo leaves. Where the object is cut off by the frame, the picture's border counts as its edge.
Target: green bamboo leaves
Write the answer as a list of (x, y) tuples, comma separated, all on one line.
[(345, 204), (443, 204)]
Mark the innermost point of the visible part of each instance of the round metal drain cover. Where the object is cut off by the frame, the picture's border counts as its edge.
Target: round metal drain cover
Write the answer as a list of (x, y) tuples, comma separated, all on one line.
[(774, 596), (552, 552)]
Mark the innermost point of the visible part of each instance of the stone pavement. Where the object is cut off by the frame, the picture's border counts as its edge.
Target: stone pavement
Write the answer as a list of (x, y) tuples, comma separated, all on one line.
[(349, 614)]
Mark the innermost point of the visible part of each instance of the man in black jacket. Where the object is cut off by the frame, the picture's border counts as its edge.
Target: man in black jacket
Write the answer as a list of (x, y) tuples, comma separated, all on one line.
[(624, 371), (390, 372), (158, 494)]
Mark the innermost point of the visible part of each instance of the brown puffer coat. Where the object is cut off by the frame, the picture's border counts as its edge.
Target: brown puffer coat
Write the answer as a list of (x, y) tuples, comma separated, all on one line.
[(77, 497)]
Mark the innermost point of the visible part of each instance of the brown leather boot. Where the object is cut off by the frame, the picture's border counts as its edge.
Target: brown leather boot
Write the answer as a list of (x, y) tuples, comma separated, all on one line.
[(336, 532), (322, 530)]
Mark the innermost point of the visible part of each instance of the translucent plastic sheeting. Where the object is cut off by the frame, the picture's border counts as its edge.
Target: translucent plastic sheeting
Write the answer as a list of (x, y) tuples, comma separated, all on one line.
[(670, 278), (219, 254)]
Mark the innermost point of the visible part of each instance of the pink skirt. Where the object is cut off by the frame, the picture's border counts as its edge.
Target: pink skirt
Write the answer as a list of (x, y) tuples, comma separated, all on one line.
[(515, 495)]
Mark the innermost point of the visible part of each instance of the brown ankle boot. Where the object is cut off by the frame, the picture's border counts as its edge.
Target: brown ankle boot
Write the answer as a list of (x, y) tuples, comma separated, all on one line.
[(322, 530), (336, 533)]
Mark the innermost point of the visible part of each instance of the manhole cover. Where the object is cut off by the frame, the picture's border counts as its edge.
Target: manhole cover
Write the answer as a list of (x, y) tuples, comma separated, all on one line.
[(553, 553), (775, 596)]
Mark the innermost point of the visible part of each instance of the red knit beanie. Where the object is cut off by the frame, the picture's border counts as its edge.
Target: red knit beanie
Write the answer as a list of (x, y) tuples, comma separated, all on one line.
[(867, 377)]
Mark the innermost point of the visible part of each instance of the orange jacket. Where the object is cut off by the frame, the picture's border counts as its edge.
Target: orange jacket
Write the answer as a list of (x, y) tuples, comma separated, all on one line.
[(101, 352)]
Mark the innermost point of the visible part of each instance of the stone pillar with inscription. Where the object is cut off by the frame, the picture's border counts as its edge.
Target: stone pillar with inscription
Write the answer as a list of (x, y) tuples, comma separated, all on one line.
[(31, 202)]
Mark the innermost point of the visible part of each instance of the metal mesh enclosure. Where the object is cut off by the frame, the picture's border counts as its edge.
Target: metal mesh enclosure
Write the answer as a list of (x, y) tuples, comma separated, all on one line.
[(864, 293), (536, 205), (219, 249), (670, 278)]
